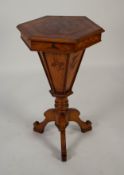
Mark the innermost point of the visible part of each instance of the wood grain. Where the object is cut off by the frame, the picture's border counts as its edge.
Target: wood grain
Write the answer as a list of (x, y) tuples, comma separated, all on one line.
[(61, 42)]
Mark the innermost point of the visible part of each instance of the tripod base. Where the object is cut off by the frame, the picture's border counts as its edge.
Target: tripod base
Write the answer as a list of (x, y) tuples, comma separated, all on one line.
[(61, 119)]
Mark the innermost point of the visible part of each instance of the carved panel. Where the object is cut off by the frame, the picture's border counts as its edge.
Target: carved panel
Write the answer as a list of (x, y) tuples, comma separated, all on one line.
[(56, 65), (74, 61)]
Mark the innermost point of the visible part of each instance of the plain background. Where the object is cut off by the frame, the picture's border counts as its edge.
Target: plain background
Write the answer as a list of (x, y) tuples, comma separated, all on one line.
[(98, 94)]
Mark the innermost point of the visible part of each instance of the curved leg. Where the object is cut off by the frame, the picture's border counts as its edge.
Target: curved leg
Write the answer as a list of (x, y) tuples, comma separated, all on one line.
[(49, 117), (61, 123), (74, 116), (63, 145)]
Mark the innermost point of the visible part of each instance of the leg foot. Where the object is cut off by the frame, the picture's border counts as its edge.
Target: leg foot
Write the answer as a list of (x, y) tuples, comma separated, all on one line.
[(49, 117), (39, 126), (74, 116), (86, 126)]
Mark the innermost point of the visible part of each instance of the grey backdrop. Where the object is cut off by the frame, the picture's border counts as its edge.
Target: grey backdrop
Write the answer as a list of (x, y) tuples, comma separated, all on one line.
[(98, 94)]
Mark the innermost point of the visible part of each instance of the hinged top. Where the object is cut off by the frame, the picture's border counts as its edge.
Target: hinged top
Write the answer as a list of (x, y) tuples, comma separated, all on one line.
[(58, 29)]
